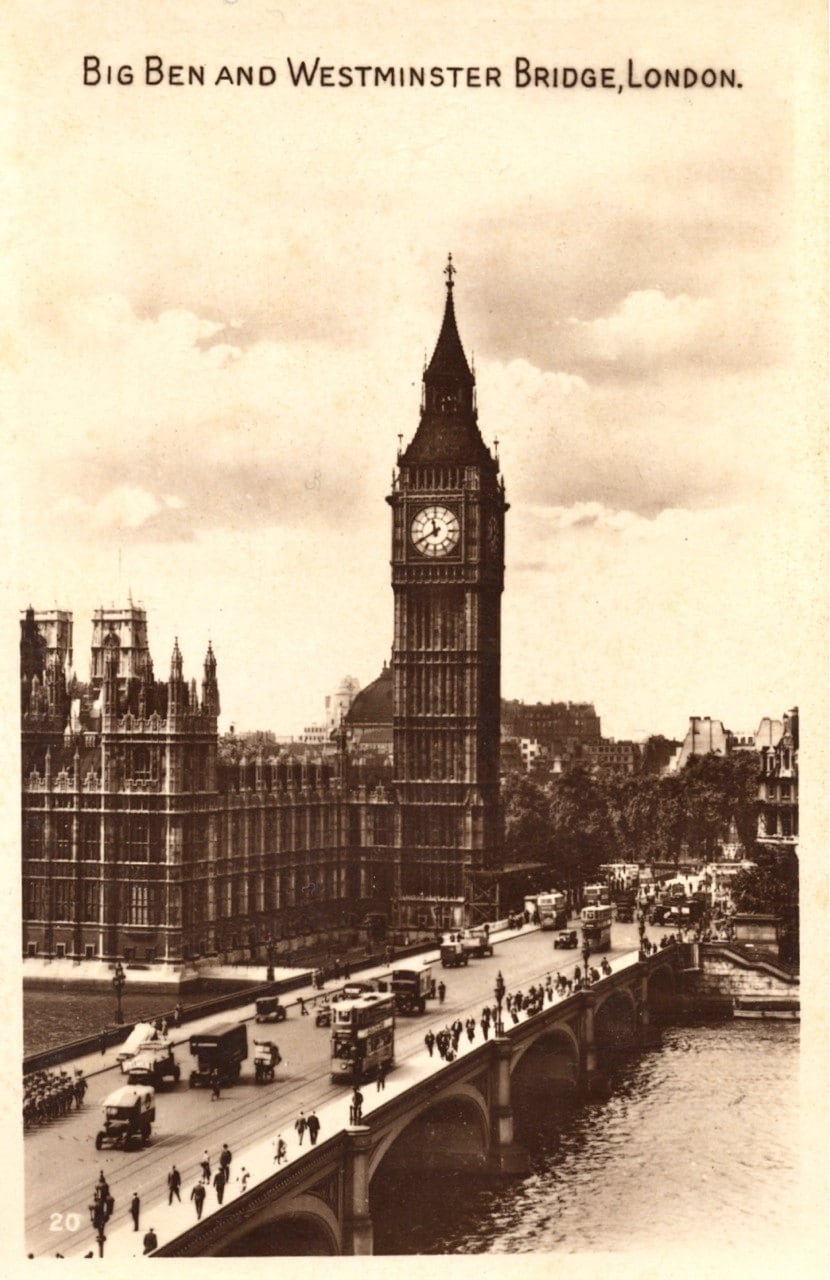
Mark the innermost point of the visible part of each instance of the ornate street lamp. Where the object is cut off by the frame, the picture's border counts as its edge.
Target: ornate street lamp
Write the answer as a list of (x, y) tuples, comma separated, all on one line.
[(269, 955), (586, 955), (98, 1216), (499, 994), (119, 979)]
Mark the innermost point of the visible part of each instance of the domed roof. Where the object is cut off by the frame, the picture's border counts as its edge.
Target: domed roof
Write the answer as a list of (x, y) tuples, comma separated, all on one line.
[(374, 704)]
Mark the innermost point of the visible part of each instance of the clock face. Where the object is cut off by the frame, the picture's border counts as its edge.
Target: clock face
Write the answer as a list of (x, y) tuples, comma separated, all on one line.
[(435, 531)]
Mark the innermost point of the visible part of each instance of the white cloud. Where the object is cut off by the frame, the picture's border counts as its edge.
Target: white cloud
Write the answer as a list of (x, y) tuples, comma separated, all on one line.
[(646, 328)]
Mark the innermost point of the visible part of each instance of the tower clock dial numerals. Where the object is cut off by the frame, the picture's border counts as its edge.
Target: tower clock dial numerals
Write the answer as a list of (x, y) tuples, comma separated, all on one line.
[(435, 531)]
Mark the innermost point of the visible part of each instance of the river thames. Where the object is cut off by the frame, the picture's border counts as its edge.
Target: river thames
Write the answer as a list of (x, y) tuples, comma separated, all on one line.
[(696, 1145)]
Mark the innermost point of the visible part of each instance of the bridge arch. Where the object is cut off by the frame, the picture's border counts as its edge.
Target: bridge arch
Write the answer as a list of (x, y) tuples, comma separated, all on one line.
[(544, 1077), (302, 1226), (616, 1024), (661, 988), (451, 1130), (556, 1043)]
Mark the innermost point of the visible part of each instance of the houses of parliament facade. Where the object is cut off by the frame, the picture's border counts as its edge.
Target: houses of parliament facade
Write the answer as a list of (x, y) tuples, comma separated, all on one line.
[(141, 840)]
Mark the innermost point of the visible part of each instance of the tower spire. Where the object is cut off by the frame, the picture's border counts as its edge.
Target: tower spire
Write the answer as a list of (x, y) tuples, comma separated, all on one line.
[(448, 430)]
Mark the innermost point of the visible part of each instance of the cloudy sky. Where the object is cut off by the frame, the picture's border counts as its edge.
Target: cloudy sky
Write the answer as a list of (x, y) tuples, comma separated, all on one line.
[(219, 299)]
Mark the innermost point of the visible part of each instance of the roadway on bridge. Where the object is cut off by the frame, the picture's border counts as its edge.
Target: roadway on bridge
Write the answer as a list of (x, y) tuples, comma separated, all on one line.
[(62, 1165)]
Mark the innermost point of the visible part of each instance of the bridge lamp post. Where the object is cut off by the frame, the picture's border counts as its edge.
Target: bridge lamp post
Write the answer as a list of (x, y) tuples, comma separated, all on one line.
[(269, 955), (499, 994), (98, 1217), (119, 980), (586, 955)]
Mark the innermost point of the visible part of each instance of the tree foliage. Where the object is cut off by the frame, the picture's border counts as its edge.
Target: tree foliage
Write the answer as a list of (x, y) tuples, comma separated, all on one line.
[(577, 820)]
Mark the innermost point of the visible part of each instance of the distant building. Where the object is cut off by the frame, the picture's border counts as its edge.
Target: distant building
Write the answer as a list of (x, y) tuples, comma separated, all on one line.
[(778, 790), (561, 727), (369, 719), (51, 635), (704, 736), (620, 758), (339, 702), (776, 744)]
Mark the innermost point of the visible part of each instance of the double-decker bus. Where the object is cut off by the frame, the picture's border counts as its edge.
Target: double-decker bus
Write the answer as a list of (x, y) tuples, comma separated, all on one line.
[(553, 910), (594, 893), (596, 926), (362, 1036)]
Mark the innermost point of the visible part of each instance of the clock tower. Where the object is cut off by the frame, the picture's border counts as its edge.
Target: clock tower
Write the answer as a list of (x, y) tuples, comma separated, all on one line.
[(448, 508)]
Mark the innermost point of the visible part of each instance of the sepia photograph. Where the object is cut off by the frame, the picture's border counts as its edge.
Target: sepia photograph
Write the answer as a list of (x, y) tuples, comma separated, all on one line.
[(414, 424)]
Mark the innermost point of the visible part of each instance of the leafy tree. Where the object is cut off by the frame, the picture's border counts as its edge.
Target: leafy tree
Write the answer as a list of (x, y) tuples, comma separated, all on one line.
[(657, 753), (581, 831), (526, 820), (771, 886), (716, 791)]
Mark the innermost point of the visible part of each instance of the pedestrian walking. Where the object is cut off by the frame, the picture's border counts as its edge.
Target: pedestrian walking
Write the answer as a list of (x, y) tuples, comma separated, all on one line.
[(177, 1016), (442, 991), (219, 1182), (206, 1167), (485, 1028), (313, 1126), (356, 1108), (303, 1009), (197, 1195), (164, 1028), (383, 1070), (135, 1209), (174, 1182), (225, 1158), (429, 1041), (243, 1180), (215, 1086), (150, 1241), (280, 1150), (300, 1125), (104, 1041)]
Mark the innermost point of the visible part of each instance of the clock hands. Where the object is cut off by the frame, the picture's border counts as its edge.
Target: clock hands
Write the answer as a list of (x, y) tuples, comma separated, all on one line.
[(431, 533)]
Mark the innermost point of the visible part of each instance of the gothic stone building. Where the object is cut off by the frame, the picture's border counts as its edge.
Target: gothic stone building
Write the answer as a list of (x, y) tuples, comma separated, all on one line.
[(140, 840)]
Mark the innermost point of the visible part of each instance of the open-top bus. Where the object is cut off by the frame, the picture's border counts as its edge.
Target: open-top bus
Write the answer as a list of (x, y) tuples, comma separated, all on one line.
[(596, 926), (553, 909), (362, 1036)]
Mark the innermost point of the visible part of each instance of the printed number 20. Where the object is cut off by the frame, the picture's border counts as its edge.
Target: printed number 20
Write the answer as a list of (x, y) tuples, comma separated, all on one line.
[(65, 1222)]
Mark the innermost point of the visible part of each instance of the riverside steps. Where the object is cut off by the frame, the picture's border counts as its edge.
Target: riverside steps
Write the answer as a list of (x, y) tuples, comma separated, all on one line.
[(432, 1114)]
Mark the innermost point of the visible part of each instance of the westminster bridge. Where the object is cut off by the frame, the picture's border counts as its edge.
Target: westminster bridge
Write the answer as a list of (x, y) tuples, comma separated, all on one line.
[(439, 1115)]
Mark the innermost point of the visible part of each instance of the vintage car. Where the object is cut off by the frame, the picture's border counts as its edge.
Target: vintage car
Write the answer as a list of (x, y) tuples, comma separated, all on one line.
[(269, 1009), (152, 1064), (129, 1113), (267, 1058), (566, 940)]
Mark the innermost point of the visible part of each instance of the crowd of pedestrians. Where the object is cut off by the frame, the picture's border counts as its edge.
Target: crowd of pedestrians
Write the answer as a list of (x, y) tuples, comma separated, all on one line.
[(648, 948)]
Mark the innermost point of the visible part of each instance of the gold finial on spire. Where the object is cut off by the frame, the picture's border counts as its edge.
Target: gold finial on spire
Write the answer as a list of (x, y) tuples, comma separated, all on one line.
[(449, 272)]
